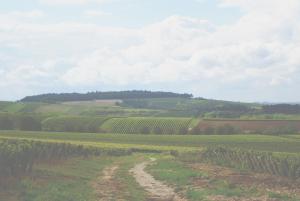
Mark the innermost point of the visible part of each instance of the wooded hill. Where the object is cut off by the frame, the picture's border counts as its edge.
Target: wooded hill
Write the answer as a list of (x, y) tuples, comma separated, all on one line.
[(98, 95)]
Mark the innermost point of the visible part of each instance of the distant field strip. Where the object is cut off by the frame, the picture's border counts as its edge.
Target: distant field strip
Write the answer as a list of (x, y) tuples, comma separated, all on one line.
[(148, 125), (166, 142), (73, 124), (250, 125)]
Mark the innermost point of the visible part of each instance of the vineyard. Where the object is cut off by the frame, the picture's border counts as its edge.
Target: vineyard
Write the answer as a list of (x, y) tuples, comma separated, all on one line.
[(289, 144), (17, 157), (263, 162), (147, 125), (25, 158), (73, 124)]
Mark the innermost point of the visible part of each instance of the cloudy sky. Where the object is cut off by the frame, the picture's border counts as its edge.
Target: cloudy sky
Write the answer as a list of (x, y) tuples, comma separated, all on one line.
[(247, 50)]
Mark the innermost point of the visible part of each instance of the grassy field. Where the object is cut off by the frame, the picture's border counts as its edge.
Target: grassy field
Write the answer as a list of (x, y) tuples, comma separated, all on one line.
[(198, 182), (289, 144), (72, 180), (90, 108)]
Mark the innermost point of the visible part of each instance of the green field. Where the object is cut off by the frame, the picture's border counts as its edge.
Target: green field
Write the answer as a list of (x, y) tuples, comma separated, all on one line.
[(289, 144), (89, 108)]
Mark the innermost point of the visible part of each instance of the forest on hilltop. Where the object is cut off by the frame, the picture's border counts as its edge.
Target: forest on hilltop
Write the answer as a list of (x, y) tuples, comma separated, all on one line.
[(98, 95)]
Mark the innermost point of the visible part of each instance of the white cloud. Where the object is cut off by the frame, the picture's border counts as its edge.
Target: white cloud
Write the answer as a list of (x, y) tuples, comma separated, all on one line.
[(182, 49), (96, 13), (29, 14), (260, 51), (72, 2)]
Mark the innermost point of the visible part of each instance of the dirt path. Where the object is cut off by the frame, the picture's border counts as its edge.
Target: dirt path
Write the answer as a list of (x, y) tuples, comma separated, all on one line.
[(106, 187), (158, 191)]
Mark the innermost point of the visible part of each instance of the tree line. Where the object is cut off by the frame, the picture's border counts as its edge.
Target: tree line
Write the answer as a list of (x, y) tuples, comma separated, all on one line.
[(281, 109), (98, 95)]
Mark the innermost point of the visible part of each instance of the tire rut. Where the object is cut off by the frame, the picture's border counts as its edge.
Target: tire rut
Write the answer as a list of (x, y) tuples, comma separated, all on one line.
[(106, 187), (157, 190)]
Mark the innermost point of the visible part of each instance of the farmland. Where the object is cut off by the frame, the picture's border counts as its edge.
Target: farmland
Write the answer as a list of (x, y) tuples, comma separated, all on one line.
[(252, 126), (256, 142), (138, 149), (75, 124), (148, 125), (123, 151)]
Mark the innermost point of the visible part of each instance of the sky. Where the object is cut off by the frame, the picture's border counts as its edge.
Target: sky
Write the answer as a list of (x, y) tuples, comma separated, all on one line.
[(242, 50)]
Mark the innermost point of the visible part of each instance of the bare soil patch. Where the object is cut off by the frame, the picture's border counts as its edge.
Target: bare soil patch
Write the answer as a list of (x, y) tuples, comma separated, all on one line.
[(107, 188)]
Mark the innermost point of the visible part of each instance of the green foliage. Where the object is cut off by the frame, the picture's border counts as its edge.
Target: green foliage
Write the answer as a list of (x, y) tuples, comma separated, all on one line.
[(68, 181), (50, 98), (173, 172), (18, 156), (19, 122), (266, 162), (183, 176), (188, 107), (147, 125), (270, 117), (220, 130), (239, 126), (6, 122), (289, 144), (289, 129), (73, 124)]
